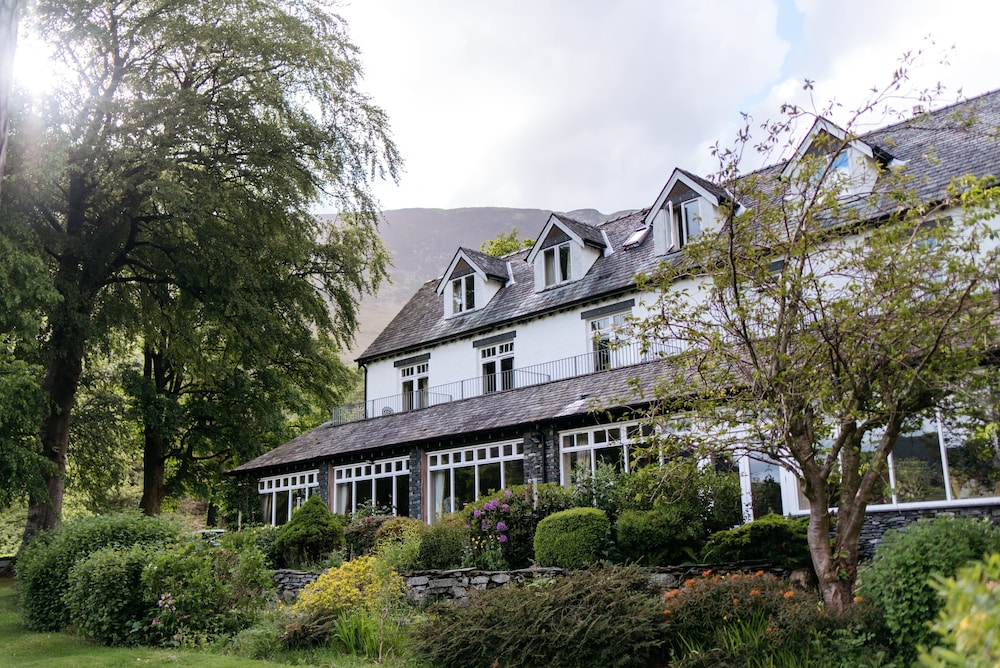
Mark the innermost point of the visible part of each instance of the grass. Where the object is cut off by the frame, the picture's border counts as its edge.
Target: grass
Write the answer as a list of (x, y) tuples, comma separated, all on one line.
[(22, 647)]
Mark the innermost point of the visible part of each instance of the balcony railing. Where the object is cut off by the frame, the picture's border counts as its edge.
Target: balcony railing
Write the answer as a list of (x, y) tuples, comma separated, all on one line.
[(615, 356)]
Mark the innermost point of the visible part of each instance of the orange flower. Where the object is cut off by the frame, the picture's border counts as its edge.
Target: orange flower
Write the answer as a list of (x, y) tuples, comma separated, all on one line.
[(754, 592), (790, 593), (706, 573), (759, 573), (672, 593), (689, 583), (736, 601), (858, 599), (768, 629), (667, 611)]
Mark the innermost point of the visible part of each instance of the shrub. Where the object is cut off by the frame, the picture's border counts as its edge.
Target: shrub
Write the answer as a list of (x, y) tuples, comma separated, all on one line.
[(969, 622), (312, 533), (262, 537), (779, 540), (663, 536), (898, 580), (203, 590), (361, 531), (397, 543), (356, 584), (104, 598), (603, 617), (44, 565), (572, 538), (442, 544), (737, 619), (526, 505)]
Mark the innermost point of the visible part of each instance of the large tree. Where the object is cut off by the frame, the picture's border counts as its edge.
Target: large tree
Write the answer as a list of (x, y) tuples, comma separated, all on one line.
[(827, 316), (185, 154)]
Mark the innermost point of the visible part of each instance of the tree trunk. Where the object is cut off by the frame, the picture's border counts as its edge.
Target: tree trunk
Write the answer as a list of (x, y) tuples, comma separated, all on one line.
[(154, 452), (153, 465)]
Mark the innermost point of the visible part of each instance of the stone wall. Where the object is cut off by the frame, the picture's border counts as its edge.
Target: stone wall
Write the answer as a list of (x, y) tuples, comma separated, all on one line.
[(879, 521), (428, 586)]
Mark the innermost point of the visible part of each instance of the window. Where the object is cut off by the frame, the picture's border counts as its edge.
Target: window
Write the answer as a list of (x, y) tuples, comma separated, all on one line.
[(461, 476), (280, 495), (498, 367), (414, 386), (686, 223), (603, 334), (557, 264), (385, 482), (463, 294), (587, 449)]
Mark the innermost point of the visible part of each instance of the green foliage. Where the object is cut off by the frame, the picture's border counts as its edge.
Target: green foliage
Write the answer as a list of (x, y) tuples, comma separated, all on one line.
[(262, 537), (600, 617), (312, 533), (968, 625), (739, 620), (504, 243), (773, 538), (899, 579), (105, 596), (526, 506), (442, 545), (44, 565), (357, 584), (397, 543), (573, 538), (197, 590), (361, 532), (662, 536)]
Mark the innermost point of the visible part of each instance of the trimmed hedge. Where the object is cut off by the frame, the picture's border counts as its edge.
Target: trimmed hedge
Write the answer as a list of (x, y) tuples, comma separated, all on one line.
[(572, 538), (663, 536), (442, 544), (44, 565), (779, 540)]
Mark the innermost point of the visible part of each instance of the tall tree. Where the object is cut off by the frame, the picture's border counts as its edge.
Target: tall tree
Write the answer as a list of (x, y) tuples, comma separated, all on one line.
[(504, 243), (827, 317), (192, 125)]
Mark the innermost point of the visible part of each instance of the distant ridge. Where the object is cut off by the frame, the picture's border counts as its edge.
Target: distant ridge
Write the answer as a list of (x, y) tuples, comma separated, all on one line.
[(423, 241)]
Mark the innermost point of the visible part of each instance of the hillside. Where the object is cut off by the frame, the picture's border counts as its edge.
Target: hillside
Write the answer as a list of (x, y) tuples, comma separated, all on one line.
[(423, 241)]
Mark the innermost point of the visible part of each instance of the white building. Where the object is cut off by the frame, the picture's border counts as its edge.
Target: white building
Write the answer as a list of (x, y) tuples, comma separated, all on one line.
[(489, 376)]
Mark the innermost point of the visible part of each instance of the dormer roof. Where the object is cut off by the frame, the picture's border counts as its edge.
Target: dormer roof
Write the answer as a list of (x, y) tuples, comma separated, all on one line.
[(827, 137), (704, 188), (488, 266), (581, 233)]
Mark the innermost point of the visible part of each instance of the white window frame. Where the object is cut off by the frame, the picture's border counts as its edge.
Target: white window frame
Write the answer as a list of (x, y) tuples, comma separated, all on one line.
[(414, 381), (442, 464), (591, 440), (683, 219), (297, 487), (499, 355), (604, 333), (347, 480), (463, 294), (554, 269)]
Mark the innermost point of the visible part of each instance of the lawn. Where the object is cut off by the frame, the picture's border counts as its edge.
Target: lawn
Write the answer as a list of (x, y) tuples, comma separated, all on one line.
[(21, 647)]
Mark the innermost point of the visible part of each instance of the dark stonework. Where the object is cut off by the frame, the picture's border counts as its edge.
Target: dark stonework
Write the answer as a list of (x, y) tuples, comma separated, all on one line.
[(541, 456), (552, 469), (416, 483), (878, 522), (323, 480)]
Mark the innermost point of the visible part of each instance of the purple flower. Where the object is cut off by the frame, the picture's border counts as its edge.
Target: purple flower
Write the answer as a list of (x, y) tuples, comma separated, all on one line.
[(485, 526), (504, 508), (508, 493), (501, 526), (467, 527), (503, 538), (476, 513)]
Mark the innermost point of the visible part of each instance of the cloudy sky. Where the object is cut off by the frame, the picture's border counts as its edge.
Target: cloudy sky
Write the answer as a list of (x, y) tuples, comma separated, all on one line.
[(569, 104)]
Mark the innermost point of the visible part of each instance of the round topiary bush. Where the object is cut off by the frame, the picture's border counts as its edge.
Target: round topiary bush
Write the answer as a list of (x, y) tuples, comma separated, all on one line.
[(44, 565), (780, 540), (659, 537), (899, 579), (311, 534), (572, 538), (104, 598)]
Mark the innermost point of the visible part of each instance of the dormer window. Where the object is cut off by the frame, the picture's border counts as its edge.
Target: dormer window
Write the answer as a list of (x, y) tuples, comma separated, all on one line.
[(463, 294), (557, 264), (686, 224)]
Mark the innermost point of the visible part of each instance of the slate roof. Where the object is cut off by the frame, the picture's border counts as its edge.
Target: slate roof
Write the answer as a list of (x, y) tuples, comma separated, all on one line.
[(590, 234), (568, 398), (493, 267)]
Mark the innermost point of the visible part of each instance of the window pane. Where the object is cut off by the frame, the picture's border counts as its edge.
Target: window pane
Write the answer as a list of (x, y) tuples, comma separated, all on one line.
[(916, 460), (507, 373), (573, 461), (280, 508), (765, 488), (344, 498), (549, 259), (564, 262), (489, 478), (441, 493), (383, 492), (363, 493), (456, 296), (470, 292), (513, 472), (613, 456), (265, 507), (465, 486), (403, 495)]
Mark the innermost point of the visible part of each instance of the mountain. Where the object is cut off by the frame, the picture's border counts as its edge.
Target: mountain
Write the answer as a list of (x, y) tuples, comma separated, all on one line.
[(422, 242)]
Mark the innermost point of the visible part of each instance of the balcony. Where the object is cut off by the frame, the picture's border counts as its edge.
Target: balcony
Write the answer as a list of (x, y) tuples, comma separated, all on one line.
[(613, 357)]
